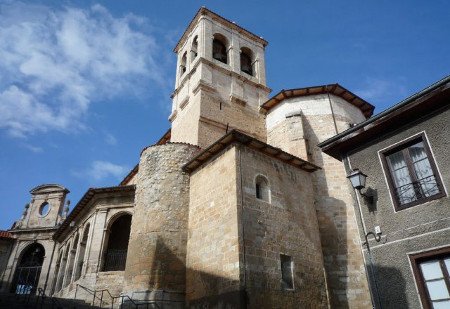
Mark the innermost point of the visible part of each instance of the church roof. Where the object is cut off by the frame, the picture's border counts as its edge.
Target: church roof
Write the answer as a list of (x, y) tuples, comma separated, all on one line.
[(84, 201), (335, 89), (432, 98), (230, 24), (251, 142)]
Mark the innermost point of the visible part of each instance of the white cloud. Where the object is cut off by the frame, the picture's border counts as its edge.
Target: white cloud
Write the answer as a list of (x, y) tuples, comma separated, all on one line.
[(54, 63), (110, 139), (34, 149), (99, 170), (382, 90)]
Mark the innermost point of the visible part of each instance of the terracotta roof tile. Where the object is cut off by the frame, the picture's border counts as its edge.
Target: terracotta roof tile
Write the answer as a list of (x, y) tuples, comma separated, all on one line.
[(6, 234)]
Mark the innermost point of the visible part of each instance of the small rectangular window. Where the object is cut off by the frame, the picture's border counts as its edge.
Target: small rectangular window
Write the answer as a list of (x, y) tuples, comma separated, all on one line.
[(287, 272), (412, 174)]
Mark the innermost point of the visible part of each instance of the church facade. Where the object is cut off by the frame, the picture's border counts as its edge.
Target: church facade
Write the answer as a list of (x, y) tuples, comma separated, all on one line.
[(235, 206)]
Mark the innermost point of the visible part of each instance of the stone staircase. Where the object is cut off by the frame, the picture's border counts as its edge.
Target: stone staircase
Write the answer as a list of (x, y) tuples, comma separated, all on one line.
[(99, 301), (14, 301)]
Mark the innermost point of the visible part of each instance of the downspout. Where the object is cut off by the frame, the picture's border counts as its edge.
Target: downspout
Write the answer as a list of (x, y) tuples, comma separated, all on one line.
[(370, 274), (332, 111)]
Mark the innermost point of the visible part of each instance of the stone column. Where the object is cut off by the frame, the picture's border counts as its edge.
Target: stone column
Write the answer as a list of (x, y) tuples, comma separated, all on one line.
[(156, 260), (98, 231)]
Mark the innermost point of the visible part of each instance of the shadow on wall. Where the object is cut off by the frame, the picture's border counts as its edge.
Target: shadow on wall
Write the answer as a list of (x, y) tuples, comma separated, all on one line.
[(388, 286), (332, 220), (169, 276)]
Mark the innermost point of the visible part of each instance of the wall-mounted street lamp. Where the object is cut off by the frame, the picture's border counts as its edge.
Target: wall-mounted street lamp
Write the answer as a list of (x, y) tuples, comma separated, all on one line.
[(358, 180)]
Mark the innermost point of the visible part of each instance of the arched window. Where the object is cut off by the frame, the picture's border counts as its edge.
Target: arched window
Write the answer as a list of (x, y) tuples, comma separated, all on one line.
[(57, 270), (115, 256), (194, 48), (62, 268), (262, 189), (80, 261), (220, 48), (246, 61), (183, 64), (71, 261), (28, 271)]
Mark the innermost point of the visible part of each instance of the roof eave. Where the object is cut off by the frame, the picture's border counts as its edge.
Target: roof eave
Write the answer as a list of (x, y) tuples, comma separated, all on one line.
[(235, 136), (85, 201), (204, 11), (335, 89), (425, 101)]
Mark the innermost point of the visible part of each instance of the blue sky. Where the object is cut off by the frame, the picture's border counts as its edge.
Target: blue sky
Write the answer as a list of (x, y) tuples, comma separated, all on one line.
[(85, 85)]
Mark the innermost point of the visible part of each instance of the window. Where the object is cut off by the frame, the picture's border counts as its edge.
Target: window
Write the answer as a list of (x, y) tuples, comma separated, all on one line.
[(44, 209), (194, 48), (262, 190), (287, 272), (412, 173), (220, 48), (246, 61), (431, 270)]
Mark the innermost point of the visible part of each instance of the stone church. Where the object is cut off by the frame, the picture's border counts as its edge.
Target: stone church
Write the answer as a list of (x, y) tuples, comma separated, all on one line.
[(234, 207)]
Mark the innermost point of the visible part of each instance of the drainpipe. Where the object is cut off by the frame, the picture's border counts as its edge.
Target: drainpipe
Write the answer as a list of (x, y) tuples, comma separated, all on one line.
[(376, 301), (332, 111)]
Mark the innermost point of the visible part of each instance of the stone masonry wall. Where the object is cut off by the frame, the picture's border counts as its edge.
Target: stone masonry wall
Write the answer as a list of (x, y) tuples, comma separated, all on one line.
[(213, 256), (343, 260), (287, 224), (155, 267)]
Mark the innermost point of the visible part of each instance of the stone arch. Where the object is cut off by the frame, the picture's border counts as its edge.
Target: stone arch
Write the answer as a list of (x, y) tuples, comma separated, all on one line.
[(82, 252), (116, 242), (71, 261), (220, 48), (28, 269), (62, 268), (247, 60), (262, 188), (57, 270)]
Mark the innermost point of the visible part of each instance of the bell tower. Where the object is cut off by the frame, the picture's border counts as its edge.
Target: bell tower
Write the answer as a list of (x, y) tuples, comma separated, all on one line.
[(220, 81)]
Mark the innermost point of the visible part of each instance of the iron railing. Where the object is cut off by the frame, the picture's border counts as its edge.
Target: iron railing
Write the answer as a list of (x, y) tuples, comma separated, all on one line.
[(102, 298), (115, 260), (417, 190)]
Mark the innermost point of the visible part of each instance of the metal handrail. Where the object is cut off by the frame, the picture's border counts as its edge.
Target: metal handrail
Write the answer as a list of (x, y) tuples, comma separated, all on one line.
[(113, 298), (135, 304), (42, 295), (94, 294)]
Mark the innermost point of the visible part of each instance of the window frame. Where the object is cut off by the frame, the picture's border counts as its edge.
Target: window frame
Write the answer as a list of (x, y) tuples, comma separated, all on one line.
[(402, 146), (418, 258)]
